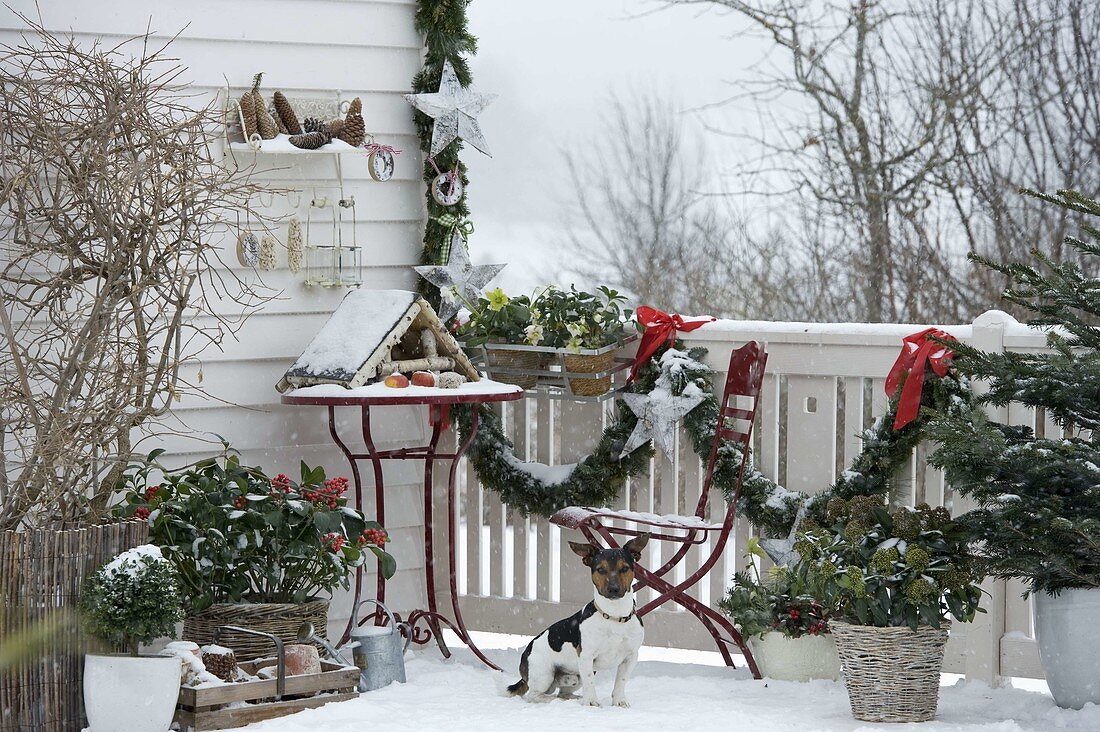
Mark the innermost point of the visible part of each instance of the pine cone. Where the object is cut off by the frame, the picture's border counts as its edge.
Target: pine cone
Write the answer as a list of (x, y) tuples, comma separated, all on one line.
[(312, 124), (265, 124), (248, 111), (309, 140), (221, 664), (278, 120), (354, 129), (286, 114), (335, 126)]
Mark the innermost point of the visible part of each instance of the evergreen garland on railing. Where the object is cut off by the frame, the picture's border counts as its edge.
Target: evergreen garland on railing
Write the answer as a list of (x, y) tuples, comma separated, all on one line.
[(443, 24), (597, 479)]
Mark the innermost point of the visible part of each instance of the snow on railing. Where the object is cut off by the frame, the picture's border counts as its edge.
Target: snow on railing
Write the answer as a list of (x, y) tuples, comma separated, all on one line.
[(825, 384)]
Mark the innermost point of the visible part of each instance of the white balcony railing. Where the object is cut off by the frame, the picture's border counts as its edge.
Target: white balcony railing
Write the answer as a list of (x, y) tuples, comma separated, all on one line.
[(825, 384)]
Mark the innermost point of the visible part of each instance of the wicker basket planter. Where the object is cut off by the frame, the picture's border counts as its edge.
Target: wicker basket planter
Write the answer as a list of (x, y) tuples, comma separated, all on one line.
[(526, 360), (892, 674), (584, 364), (279, 619), (561, 372)]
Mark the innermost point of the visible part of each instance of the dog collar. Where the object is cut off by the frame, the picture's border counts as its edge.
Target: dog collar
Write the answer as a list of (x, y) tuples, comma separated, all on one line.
[(612, 617)]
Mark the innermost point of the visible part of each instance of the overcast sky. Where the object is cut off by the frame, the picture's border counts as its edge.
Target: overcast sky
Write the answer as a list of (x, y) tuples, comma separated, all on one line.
[(554, 64)]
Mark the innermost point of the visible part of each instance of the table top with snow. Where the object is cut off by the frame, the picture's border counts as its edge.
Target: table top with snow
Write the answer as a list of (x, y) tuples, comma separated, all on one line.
[(461, 695), (484, 390)]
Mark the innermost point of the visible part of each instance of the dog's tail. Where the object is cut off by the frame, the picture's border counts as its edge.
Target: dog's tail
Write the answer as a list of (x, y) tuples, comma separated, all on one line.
[(518, 689)]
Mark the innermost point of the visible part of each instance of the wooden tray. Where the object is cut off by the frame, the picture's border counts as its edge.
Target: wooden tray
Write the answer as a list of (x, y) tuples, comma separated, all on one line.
[(200, 709)]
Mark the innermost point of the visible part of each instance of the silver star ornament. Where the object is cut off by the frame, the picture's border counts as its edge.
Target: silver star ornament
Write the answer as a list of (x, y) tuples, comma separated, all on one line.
[(458, 276), (781, 551), (658, 414), (455, 109)]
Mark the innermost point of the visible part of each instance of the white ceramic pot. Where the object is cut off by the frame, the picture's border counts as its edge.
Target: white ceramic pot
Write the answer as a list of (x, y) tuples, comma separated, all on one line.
[(1069, 647), (796, 659), (128, 694)]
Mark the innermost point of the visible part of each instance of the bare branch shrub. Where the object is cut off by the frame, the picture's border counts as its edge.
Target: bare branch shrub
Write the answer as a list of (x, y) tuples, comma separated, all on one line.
[(113, 205)]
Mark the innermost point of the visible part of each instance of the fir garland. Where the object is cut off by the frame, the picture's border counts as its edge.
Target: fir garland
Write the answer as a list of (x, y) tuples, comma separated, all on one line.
[(444, 26), (596, 480)]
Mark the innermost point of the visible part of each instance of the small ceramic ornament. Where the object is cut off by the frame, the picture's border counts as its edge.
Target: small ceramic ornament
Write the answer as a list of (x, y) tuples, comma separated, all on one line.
[(447, 189), (248, 249), (381, 164), (267, 253), (295, 246)]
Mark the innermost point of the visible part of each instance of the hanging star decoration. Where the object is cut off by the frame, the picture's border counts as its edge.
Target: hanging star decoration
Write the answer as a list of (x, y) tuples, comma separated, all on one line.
[(658, 413), (781, 551), (458, 278), (455, 109)]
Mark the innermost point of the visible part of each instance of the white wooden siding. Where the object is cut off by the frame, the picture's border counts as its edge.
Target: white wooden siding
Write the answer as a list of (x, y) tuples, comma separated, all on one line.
[(310, 49)]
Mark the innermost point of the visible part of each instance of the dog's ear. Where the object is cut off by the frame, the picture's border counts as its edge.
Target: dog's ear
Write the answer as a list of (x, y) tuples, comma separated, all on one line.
[(585, 551), (635, 546)]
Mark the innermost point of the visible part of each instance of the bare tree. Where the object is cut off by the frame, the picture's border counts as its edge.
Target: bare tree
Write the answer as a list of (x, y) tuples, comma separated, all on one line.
[(650, 224), (112, 203), (1026, 79)]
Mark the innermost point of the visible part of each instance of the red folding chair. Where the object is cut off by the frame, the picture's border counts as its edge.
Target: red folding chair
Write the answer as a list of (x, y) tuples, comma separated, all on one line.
[(735, 422)]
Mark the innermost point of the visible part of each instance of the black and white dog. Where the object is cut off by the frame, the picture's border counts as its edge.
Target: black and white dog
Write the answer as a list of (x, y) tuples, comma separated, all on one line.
[(606, 633)]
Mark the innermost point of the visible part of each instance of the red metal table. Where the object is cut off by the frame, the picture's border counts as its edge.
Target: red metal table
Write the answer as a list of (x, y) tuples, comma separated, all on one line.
[(425, 624)]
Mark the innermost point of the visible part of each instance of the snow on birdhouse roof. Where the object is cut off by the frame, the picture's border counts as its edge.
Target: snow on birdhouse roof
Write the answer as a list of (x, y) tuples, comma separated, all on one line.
[(360, 336)]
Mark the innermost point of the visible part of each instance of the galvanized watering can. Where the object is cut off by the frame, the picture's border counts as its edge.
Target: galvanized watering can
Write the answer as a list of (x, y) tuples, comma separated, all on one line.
[(379, 651)]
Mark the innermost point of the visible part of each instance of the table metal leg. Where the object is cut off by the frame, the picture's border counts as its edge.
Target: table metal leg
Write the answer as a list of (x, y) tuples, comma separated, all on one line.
[(437, 420), (452, 532), (379, 506), (358, 502)]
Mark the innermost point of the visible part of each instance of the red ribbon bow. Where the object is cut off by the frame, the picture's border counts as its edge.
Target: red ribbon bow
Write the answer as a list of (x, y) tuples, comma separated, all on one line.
[(918, 351), (660, 327)]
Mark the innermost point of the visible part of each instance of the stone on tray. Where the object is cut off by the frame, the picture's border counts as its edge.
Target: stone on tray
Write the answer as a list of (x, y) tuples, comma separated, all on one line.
[(302, 659)]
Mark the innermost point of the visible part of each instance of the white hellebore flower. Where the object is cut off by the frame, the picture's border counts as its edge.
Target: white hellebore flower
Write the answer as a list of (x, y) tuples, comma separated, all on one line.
[(534, 334), (574, 345), (575, 329), (448, 294)]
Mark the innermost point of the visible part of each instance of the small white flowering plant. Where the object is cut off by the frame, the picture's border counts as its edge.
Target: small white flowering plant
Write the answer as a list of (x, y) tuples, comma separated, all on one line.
[(133, 599), (575, 320)]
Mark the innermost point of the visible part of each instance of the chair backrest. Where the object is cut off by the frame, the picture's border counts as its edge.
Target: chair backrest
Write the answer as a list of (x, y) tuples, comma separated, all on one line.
[(737, 410)]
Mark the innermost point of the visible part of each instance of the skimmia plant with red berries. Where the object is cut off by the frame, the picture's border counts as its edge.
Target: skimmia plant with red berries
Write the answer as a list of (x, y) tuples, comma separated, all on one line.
[(234, 534), (788, 600)]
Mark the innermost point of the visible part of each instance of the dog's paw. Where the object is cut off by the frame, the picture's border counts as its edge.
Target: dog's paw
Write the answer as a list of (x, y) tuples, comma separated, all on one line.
[(621, 703), (591, 702)]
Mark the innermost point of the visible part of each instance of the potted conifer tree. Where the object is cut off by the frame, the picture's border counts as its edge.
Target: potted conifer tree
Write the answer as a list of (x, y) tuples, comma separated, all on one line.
[(131, 600), (1038, 515)]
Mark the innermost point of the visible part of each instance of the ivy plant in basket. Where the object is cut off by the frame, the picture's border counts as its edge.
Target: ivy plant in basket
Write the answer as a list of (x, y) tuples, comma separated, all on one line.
[(133, 599), (897, 577), (784, 615), (252, 550)]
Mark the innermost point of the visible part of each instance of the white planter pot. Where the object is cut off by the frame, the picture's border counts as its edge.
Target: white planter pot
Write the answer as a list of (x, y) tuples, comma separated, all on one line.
[(796, 659), (1069, 647), (127, 694)]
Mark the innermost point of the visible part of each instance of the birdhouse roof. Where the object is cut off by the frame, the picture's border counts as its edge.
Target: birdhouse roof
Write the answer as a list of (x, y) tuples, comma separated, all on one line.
[(360, 335)]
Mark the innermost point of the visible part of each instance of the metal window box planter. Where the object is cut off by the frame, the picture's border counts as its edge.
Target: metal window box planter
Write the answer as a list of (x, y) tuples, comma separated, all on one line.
[(589, 375)]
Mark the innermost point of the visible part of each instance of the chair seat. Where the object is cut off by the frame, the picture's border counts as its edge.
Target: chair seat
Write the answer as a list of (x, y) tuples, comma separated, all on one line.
[(573, 517)]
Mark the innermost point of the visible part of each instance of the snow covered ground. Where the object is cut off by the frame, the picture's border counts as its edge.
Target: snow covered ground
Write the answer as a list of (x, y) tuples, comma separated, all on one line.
[(463, 695)]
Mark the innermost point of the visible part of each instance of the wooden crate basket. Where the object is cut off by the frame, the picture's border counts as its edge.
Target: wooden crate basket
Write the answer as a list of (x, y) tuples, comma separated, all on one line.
[(204, 708)]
